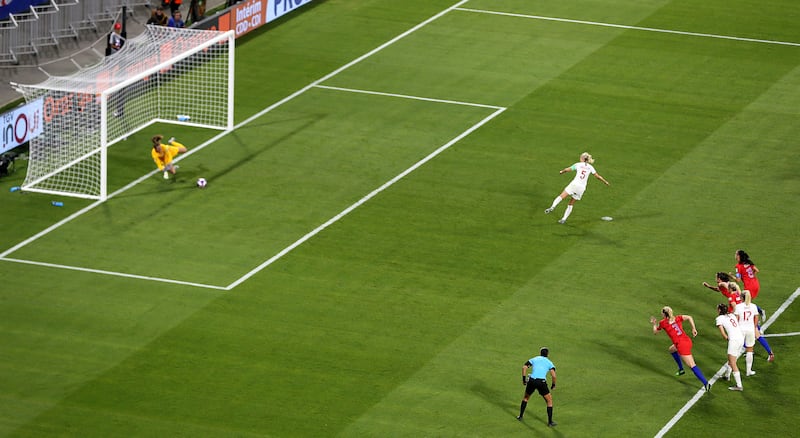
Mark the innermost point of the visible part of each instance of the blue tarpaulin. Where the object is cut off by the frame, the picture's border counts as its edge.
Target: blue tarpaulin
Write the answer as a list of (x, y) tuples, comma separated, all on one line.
[(8, 7)]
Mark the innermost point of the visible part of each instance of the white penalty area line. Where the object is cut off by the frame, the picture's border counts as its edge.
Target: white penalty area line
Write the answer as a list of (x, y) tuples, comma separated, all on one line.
[(780, 335), (406, 96), (672, 422), (343, 213), (366, 198), (70, 218), (622, 26), (114, 273), (84, 210), (781, 309)]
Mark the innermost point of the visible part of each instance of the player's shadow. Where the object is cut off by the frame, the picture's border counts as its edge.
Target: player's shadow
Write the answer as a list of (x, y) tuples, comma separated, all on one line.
[(587, 218), (185, 176), (636, 216), (627, 354), (250, 154), (584, 226), (494, 396), (510, 405), (190, 173)]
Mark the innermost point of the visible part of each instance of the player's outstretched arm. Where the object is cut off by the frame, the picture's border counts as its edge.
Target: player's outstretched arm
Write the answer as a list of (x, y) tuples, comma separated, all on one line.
[(654, 321), (691, 321)]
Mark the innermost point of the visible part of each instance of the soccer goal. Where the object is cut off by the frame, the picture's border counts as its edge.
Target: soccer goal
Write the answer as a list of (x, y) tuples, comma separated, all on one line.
[(165, 74)]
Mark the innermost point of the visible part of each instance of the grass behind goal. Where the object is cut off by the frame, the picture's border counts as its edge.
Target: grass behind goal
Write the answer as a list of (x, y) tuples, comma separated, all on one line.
[(412, 315)]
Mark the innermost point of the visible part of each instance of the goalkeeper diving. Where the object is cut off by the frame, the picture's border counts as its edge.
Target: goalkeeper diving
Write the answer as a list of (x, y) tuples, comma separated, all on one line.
[(164, 153)]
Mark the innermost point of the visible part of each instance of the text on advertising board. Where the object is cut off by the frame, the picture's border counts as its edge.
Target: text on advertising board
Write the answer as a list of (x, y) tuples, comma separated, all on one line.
[(21, 125), (281, 7), (248, 16)]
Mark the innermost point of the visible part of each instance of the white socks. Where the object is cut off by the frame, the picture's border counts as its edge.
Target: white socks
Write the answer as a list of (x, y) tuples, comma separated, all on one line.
[(748, 360), (555, 202), (567, 213), (737, 377)]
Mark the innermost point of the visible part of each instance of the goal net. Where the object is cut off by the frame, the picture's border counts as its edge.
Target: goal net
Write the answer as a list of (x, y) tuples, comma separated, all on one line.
[(165, 74)]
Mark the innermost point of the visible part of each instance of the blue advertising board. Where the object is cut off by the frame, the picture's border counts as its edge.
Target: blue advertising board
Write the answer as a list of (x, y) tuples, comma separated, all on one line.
[(8, 7)]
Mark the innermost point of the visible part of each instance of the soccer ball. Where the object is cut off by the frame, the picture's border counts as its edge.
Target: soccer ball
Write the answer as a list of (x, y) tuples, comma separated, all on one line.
[(201, 182)]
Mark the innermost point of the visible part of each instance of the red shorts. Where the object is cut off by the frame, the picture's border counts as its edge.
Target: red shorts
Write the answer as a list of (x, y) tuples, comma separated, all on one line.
[(753, 291), (684, 347)]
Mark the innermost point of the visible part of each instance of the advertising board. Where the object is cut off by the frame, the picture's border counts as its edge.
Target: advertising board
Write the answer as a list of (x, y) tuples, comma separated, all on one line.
[(21, 124)]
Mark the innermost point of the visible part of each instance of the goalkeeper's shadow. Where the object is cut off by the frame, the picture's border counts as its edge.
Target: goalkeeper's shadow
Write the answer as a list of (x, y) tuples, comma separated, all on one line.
[(191, 173), (308, 121)]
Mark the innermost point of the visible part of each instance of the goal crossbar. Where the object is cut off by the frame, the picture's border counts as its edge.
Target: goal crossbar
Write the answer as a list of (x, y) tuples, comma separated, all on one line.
[(170, 75)]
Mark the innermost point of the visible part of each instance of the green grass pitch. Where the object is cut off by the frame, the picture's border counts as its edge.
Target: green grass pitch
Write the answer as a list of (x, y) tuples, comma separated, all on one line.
[(411, 313)]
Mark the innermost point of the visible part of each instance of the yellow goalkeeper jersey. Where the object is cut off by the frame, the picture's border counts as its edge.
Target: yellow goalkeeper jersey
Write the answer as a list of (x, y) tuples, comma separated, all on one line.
[(168, 152)]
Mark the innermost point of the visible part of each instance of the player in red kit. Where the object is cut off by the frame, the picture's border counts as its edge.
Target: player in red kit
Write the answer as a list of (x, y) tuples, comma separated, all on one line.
[(681, 348), (746, 272), (728, 289), (733, 293)]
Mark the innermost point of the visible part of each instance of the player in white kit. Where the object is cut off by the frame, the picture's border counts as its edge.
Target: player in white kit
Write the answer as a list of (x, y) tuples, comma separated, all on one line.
[(747, 315), (575, 189), (729, 328)]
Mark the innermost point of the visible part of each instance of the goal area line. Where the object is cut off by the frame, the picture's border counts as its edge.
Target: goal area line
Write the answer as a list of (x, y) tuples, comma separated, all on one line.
[(274, 258), (4, 256), (366, 198)]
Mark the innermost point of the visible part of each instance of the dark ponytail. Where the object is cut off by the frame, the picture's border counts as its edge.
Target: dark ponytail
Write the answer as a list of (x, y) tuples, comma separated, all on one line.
[(744, 258)]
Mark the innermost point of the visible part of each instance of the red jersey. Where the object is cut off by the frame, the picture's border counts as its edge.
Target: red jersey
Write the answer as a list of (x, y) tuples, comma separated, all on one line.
[(748, 275), (733, 298), (675, 330)]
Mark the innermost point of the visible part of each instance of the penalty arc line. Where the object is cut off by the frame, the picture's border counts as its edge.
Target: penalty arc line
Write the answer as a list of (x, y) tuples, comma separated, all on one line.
[(674, 420)]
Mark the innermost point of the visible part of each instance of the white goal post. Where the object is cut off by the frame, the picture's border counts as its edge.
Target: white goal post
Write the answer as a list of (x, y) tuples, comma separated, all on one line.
[(165, 74)]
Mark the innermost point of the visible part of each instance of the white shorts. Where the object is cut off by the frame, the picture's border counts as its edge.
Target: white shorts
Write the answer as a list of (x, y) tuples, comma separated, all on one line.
[(749, 338), (575, 190), (735, 346)]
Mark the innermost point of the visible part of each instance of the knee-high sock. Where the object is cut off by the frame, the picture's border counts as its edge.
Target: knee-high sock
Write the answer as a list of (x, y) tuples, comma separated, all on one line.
[(748, 360), (763, 341), (522, 408), (699, 374), (549, 414), (737, 377), (677, 358), (567, 212), (556, 202)]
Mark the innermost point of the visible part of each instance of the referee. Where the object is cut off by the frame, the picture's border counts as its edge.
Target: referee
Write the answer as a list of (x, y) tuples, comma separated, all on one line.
[(534, 377)]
